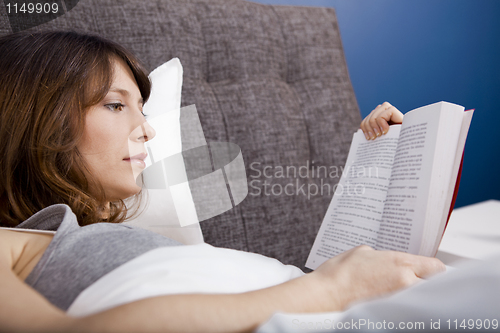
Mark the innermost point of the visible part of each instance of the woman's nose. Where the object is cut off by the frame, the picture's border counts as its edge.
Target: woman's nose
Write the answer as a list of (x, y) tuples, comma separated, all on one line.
[(144, 133)]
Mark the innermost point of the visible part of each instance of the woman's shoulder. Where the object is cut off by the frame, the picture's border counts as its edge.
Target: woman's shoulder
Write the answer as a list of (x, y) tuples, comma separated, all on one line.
[(19, 249), (11, 243)]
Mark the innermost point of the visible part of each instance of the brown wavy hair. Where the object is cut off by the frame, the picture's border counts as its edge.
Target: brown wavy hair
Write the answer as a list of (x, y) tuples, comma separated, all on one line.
[(48, 82)]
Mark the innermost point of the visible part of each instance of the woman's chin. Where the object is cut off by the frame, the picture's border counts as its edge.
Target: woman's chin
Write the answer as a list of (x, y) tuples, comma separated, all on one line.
[(136, 190), (125, 193)]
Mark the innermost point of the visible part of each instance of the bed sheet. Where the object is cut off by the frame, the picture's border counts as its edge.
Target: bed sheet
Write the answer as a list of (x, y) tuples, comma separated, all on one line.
[(200, 268), (467, 298)]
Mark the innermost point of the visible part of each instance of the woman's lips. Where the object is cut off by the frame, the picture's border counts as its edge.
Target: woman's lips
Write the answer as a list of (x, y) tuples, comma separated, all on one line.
[(137, 160)]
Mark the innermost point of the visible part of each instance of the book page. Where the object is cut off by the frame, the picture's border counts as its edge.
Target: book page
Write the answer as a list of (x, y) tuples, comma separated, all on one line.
[(355, 211), (420, 176), (398, 220)]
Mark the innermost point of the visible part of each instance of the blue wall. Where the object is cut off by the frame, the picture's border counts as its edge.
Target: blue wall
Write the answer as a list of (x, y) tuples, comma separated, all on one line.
[(416, 52)]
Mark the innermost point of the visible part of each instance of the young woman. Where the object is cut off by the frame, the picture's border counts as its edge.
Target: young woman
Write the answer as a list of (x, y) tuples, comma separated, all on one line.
[(73, 133)]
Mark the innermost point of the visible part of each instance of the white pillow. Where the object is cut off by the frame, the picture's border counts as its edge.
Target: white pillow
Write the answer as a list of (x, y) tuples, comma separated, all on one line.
[(163, 109)]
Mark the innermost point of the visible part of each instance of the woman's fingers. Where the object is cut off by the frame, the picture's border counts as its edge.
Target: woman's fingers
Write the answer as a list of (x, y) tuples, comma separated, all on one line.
[(378, 121), (364, 273), (424, 266), (373, 123)]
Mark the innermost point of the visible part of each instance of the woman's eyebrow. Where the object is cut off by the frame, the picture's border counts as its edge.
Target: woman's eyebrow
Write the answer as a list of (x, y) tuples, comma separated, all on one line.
[(126, 93), (120, 91)]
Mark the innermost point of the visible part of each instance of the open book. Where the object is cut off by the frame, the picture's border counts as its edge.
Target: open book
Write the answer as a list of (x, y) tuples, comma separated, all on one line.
[(396, 191)]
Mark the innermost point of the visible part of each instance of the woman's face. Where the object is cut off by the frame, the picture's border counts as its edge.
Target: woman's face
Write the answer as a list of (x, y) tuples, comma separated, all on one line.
[(114, 136)]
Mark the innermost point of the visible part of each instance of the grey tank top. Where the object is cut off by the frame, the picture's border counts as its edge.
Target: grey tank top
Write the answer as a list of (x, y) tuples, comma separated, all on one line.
[(78, 256)]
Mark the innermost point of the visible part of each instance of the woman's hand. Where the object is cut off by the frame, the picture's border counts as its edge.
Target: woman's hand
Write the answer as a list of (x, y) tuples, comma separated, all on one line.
[(362, 273), (378, 121)]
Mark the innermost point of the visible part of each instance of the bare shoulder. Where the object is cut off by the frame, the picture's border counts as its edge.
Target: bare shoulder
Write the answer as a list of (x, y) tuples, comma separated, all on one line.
[(10, 243), (14, 245), (16, 296)]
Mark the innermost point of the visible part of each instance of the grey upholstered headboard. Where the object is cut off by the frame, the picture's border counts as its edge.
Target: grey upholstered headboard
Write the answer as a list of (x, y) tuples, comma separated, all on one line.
[(271, 79)]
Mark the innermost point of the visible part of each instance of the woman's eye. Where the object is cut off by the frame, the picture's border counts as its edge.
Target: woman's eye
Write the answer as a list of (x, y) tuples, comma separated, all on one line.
[(115, 106)]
